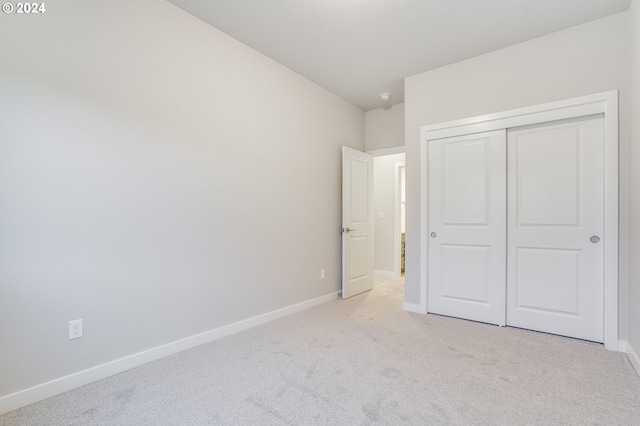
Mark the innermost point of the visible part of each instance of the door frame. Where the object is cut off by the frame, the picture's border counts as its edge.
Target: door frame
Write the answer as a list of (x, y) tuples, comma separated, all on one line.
[(606, 103)]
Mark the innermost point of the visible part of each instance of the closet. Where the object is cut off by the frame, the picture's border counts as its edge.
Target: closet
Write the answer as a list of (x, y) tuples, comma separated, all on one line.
[(516, 221)]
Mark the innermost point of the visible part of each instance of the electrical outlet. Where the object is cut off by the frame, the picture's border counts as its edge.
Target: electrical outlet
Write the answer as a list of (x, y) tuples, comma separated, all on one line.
[(322, 274), (75, 329)]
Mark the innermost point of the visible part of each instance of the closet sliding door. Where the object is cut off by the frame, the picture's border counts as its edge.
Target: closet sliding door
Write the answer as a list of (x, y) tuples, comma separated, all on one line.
[(532, 194), (516, 219), (467, 213), (555, 227)]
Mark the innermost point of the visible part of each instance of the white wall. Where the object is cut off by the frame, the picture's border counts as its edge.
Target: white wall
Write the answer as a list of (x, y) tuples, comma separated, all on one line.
[(634, 276), (157, 179), (384, 127), (384, 201), (582, 60)]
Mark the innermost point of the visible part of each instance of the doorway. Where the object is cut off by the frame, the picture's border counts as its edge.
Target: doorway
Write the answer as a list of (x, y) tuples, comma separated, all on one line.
[(389, 199)]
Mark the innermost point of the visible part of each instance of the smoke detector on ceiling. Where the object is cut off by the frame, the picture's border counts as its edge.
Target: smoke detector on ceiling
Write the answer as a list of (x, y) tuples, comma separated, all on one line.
[(385, 96)]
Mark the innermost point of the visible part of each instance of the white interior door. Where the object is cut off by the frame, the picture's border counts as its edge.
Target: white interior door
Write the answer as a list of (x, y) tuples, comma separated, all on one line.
[(467, 233), (357, 222), (555, 227)]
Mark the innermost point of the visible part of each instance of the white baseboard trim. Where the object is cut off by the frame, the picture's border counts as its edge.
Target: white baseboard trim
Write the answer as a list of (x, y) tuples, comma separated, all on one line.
[(63, 384), (633, 357), (622, 346), (415, 308), (380, 273)]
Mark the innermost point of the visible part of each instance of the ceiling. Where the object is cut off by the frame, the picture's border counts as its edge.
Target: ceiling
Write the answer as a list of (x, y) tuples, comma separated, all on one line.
[(359, 49)]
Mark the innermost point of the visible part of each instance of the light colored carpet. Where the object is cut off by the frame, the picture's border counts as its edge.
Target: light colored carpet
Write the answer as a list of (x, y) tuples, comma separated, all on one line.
[(363, 361)]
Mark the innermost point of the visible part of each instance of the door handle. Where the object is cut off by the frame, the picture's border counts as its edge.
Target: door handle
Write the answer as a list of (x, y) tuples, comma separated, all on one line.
[(347, 229), (433, 235), (594, 239)]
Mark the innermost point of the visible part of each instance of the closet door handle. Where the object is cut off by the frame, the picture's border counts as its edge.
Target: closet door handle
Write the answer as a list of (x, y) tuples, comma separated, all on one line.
[(594, 239), (433, 235)]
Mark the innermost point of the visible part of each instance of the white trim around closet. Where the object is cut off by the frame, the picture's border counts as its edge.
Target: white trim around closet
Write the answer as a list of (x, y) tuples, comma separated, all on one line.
[(601, 103)]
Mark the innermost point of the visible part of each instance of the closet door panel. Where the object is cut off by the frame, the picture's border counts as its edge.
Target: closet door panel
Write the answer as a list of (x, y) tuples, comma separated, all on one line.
[(467, 241), (555, 227)]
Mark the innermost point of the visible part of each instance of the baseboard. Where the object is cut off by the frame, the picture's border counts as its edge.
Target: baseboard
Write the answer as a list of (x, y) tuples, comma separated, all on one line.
[(633, 357), (415, 308), (380, 273), (63, 384)]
